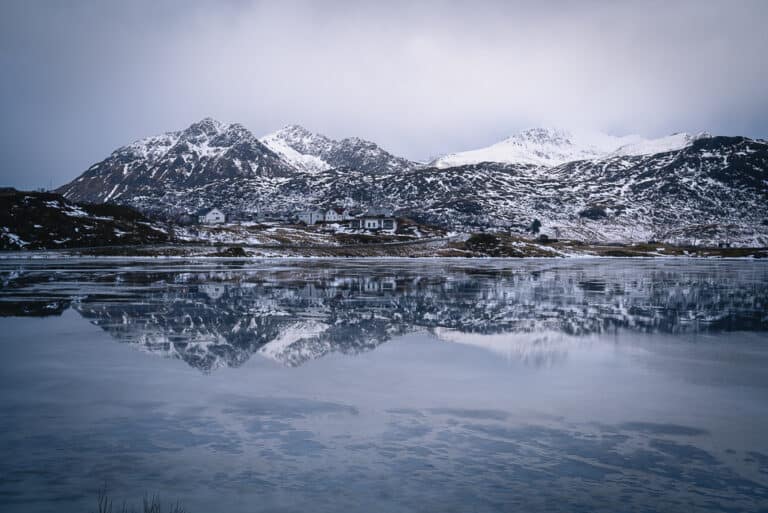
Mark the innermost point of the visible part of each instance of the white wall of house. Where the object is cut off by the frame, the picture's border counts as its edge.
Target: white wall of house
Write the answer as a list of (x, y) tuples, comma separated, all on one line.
[(379, 223), (333, 216), (214, 216), (310, 217)]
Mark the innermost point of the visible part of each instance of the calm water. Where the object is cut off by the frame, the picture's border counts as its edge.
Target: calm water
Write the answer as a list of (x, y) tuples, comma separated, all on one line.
[(404, 386)]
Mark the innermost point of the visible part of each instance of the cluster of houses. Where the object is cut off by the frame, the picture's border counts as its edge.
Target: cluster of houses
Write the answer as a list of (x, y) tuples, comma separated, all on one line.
[(332, 215), (375, 219)]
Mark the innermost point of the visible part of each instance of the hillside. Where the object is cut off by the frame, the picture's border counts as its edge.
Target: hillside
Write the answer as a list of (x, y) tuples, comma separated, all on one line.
[(40, 220)]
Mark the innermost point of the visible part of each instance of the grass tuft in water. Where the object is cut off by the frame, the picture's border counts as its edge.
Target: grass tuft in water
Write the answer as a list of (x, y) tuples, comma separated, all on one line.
[(149, 505)]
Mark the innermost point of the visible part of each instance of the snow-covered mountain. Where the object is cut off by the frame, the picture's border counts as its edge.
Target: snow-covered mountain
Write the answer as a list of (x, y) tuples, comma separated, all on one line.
[(312, 152), (602, 188), (209, 151), (204, 152), (551, 147)]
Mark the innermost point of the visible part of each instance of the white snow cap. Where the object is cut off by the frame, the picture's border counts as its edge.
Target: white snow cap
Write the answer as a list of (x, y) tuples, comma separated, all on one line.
[(552, 147)]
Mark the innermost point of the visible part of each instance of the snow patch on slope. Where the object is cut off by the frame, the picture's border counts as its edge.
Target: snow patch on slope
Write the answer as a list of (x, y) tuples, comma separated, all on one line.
[(281, 346), (279, 142), (666, 144)]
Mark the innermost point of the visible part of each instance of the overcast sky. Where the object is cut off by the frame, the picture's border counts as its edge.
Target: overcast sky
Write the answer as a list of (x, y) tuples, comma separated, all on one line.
[(79, 78)]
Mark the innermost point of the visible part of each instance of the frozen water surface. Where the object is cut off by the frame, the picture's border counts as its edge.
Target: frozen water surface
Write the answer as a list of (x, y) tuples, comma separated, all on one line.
[(385, 385)]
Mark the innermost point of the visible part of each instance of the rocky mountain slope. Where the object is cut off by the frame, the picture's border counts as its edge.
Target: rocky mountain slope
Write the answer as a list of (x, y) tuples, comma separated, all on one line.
[(694, 189)]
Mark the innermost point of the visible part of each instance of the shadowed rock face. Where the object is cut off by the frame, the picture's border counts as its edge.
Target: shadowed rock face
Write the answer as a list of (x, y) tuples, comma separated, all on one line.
[(714, 189), (213, 317)]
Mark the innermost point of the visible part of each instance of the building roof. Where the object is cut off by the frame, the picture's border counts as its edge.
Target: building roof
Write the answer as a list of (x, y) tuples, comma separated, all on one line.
[(379, 211), (206, 211)]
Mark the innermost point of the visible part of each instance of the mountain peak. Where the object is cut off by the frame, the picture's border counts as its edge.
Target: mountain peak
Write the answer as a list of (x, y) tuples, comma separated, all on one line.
[(358, 141), (299, 147), (207, 125), (544, 134), (294, 129), (295, 134), (210, 137), (312, 153)]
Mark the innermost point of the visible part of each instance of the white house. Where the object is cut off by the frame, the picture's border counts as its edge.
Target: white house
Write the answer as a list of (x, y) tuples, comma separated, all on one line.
[(379, 223), (331, 215), (212, 216), (337, 214), (375, 219), (310, 217)]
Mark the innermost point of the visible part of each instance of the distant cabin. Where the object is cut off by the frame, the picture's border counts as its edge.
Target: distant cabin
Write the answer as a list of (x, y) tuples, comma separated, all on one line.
[(212, 216)]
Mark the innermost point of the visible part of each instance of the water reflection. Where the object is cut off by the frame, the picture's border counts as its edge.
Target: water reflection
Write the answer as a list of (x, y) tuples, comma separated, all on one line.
[(220, 314), (479, 400)]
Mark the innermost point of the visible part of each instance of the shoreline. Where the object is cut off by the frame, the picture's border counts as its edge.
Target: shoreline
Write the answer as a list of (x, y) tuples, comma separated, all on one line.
[(759, 254)]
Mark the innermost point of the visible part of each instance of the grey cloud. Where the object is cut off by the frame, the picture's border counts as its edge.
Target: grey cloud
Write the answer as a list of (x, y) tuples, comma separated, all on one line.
[(83, 77)]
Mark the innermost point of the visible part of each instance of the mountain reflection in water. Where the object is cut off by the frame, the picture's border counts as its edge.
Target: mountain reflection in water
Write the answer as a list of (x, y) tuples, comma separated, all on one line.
[(219, 314)]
